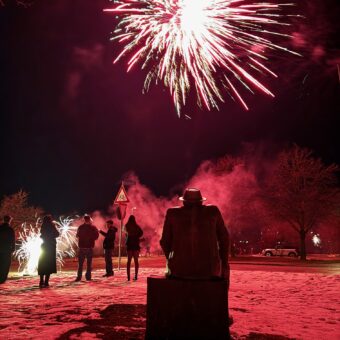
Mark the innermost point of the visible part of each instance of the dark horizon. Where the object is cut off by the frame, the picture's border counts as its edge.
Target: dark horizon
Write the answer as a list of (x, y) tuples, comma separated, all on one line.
[(72, 123)]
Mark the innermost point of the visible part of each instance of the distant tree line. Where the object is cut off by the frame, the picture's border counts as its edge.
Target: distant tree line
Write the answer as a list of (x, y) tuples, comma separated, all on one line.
[(295, 191), (296, 194)]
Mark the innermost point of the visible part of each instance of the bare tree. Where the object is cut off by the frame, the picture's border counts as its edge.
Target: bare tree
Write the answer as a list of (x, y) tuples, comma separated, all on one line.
[(302, 191), (17, 206)]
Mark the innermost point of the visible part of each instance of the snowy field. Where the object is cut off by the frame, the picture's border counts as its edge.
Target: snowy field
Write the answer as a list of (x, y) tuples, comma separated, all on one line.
[(265, 304)]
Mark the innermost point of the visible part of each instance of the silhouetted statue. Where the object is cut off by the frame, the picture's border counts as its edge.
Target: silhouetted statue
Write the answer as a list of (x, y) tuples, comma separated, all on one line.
[(87, 235), (48, 257), (193, 303), (7, 246), (134, 233), (195, 240), (108, 245)]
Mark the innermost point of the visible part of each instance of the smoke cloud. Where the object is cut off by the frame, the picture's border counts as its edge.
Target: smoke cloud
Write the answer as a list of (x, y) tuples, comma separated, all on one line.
[(227, 183), (233, 184)]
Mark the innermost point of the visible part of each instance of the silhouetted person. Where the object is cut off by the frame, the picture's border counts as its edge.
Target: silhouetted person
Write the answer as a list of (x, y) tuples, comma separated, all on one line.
[(87, 235), (195, 240), (108, 245), (7, 246), (48, 258), (134, 233)]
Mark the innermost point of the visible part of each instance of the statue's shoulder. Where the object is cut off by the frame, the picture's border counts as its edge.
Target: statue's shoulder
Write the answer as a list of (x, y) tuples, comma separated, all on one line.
[(213, 209), (175, 208), (173, 211)]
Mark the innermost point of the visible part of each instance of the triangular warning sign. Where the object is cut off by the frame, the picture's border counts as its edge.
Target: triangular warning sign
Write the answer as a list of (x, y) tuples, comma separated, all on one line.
[(121, 197)]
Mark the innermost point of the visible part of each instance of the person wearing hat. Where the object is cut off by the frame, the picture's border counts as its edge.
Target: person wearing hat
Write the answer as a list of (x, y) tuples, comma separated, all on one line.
[(195, 239), (87, 234), (7, 246), (108, 245)]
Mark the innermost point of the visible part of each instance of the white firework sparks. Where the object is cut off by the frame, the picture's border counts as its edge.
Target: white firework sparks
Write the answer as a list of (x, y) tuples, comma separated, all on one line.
[(30, 244), (213, 44), (67, 240), (29, 250)]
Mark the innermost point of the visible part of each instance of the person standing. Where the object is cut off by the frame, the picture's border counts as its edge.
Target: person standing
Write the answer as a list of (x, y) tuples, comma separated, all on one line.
[(48, 257), (7, 246), (87, 235), (108, 245), (134, 233)]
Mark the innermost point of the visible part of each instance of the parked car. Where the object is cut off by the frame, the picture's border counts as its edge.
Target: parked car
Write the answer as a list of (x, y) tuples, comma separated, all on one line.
[(280, 251)]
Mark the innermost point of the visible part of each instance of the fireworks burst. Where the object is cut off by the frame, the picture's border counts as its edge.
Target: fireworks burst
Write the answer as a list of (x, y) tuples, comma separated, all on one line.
[(214, 44), (67, 240), (30, 244), (29, 250)]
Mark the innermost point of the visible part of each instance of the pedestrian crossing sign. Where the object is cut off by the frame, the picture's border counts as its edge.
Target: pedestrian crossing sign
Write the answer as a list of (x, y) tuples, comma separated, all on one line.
[(121, 197)]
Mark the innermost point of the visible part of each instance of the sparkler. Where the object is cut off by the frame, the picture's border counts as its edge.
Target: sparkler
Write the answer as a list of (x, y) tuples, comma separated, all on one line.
[(215, 44), (30, 244)]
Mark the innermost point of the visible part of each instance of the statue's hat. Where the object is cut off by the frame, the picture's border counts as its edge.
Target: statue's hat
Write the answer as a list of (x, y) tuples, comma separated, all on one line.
[(192, 195)]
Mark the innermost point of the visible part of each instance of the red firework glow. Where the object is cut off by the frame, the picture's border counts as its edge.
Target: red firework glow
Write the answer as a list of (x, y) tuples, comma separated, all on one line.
[(213, 44)]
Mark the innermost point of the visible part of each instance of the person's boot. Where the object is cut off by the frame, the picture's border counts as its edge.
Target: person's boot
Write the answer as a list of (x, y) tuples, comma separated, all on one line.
[(108, 275), (128, 271), (47, 278), (41, 283), (136, 272)]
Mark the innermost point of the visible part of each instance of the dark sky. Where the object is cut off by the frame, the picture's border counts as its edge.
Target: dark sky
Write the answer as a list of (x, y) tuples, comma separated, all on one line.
[(72, 123)]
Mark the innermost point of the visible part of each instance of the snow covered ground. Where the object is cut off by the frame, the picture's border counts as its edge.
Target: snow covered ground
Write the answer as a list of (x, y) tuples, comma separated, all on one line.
[(264, 305)]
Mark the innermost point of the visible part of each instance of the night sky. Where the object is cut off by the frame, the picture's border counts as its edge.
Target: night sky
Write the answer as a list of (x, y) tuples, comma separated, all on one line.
[(72, 123)]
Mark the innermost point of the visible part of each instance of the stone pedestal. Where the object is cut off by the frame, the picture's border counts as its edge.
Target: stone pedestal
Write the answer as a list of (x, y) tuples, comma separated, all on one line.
[(186, 309)]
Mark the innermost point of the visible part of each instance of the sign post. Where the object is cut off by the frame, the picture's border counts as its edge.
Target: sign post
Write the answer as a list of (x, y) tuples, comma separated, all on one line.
[(122, 201)]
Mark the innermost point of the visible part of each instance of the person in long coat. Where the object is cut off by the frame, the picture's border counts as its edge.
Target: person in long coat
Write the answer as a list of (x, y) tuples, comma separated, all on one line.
[(48, 257), (134, 233), (7, 246)]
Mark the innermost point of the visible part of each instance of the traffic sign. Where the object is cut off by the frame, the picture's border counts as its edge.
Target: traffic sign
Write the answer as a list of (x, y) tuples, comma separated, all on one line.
[(122, 200), (121, 197)]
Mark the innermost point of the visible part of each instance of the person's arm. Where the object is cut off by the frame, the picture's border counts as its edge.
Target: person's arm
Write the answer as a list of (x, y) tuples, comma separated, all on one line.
[(12, 240), (55, 232), (140, 232), (43, 232), (95, 233), (166, 239), (102, 232)]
